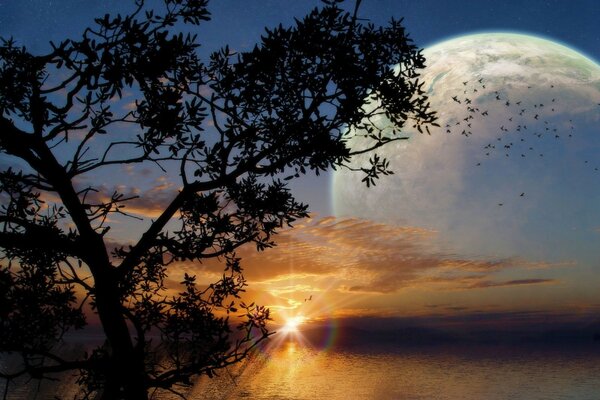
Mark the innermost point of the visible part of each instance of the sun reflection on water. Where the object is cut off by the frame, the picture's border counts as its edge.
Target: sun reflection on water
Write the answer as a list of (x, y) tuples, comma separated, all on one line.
[(293, 371)]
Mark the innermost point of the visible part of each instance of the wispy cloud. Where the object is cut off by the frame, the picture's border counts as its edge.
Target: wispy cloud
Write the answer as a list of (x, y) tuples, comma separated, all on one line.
[(148, 203), (351, 267), (370, 257), (514, 282)]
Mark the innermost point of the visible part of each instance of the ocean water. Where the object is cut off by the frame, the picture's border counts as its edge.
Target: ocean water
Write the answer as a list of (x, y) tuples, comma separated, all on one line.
[(293, 371), (427, 372)]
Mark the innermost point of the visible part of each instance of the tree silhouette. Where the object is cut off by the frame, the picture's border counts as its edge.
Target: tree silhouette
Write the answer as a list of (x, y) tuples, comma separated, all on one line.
[(231, 130)]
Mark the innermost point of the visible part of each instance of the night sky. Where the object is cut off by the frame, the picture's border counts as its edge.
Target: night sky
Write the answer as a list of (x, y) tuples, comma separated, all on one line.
[(338, 259)]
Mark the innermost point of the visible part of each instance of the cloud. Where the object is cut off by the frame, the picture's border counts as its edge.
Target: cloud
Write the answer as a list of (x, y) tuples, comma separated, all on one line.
[(148, 203), (151, 203), (351, 256), (484, 320), (357, 255), (355, 268), (514, 282)]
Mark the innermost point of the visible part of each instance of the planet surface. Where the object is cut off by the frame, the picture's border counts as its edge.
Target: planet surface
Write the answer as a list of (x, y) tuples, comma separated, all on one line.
[(513, 168)]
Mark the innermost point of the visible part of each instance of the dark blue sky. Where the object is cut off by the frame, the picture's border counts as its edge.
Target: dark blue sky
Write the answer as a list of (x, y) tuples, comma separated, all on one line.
[(572, 22), (239, 23)]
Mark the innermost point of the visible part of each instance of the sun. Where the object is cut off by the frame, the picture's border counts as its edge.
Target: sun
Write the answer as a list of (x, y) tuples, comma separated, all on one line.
[(292, 324)]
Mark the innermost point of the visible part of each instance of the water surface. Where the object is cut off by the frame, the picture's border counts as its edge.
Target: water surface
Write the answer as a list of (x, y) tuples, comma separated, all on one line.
[(429, 372), (295, 372)]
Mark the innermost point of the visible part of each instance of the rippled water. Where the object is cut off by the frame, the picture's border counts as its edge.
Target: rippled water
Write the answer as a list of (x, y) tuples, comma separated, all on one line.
[(295, 372), (292, 372)]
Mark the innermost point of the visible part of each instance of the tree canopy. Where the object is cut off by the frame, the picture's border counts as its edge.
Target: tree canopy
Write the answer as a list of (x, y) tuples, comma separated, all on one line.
[(232, 130)]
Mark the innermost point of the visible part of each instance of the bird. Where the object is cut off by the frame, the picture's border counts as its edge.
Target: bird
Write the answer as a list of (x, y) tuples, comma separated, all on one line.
[(522, 194)]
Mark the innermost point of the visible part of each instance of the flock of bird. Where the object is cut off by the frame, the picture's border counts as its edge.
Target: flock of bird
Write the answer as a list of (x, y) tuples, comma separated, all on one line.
[(525, 122), (523, 118)]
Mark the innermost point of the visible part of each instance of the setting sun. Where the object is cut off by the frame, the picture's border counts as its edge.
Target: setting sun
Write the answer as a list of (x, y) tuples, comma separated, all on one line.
[(292, 324)]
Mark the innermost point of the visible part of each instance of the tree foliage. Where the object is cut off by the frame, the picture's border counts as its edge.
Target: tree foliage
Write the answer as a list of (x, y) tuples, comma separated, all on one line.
[(232, 130)]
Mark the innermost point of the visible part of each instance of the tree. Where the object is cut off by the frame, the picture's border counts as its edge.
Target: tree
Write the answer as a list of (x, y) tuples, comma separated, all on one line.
[(232, 130)]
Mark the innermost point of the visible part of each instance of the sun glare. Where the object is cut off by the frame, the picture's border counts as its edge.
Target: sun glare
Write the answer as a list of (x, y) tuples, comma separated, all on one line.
[(292, 324)]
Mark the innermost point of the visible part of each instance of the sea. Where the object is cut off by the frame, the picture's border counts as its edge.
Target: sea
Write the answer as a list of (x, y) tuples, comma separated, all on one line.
[(293, 370)]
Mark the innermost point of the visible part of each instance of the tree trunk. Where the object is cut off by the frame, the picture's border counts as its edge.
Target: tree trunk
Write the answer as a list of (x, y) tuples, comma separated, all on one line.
[(126, 377)]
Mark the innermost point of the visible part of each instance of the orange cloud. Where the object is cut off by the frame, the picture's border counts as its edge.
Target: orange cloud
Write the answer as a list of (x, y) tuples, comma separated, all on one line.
[(348, 265), (364, 256), (514, 282)]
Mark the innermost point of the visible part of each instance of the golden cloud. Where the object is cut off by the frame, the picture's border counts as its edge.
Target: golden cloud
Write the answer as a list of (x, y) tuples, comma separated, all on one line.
[(355, 255)]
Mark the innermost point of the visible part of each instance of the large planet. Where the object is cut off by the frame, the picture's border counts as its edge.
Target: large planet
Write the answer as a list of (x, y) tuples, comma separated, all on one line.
[(513, 169)]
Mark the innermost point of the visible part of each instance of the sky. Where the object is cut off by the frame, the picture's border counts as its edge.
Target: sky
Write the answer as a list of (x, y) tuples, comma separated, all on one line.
[(392, 267)]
